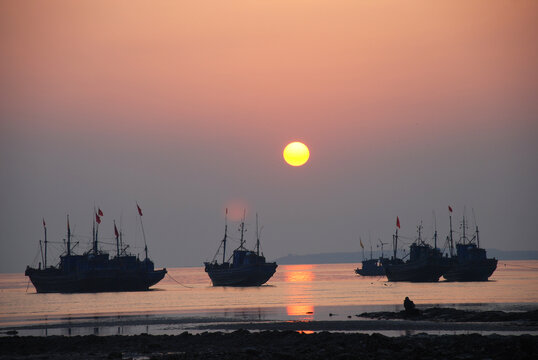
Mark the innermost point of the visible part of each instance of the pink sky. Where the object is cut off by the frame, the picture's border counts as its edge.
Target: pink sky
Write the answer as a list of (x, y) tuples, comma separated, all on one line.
[(439, 95)]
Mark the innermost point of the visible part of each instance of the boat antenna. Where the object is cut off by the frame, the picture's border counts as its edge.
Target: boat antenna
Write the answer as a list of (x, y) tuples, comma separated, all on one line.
[(243, 228), (451, 238), (143, 232), (45, 230), (257, 237), (225, 236), (68, 237)]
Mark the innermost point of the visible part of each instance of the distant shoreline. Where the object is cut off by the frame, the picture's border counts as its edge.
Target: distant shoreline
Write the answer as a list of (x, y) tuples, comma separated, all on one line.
[(356, 257)]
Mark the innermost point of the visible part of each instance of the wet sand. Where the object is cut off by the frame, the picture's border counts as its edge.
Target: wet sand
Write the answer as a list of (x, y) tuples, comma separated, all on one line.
[(308, 339)]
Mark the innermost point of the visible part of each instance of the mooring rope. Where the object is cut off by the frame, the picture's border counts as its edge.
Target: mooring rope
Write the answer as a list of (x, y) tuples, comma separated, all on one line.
[(521, 266), (170, 276)]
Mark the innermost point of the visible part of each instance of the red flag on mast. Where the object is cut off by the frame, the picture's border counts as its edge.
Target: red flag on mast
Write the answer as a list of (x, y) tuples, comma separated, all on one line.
[(100, 212), (116, 230), (398, 222), (449, 208), (139, 209), (97, 219)]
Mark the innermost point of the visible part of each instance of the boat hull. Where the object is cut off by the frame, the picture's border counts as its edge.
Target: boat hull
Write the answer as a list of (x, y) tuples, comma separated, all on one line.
[(244, 275), (471, 271), (372, 267), (47, 281), (426, 270)]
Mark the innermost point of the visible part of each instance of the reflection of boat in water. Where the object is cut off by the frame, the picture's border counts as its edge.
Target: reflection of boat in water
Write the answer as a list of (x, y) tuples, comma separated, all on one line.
[(371, 267), (470, 262), (248, 268), (425, 264), (94, 271)]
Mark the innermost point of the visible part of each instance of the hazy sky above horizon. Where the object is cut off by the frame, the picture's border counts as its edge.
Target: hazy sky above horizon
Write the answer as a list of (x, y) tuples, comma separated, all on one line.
[(186, 106)]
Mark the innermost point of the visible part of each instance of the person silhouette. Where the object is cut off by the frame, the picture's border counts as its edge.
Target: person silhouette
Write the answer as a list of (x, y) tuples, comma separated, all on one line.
[(409, 306)]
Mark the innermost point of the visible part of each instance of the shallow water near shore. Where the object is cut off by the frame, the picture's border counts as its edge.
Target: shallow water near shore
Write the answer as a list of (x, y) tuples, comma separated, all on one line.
[(185, 300)]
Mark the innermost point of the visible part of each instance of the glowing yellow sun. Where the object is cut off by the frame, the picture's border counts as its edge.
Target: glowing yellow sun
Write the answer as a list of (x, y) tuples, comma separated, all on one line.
[(296, 153)]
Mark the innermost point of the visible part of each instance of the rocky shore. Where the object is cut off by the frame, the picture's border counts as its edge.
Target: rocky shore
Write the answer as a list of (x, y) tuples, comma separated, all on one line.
[(454, 315), (242, 344)]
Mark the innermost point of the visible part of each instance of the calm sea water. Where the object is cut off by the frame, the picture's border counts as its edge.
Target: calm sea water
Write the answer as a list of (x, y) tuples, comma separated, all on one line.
[(301, 292)]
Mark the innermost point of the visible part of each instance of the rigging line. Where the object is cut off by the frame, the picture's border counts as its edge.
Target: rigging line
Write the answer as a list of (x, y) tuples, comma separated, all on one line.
[(170, 276), (28, 285)]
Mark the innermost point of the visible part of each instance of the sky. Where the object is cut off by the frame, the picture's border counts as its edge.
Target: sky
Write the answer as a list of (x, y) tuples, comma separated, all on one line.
[(186, 106)]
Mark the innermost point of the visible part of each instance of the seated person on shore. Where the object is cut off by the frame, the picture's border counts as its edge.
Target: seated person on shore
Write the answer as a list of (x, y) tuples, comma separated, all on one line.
[(409, 307)]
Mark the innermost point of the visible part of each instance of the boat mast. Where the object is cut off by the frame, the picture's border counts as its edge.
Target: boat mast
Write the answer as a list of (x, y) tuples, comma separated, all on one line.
[(257, 237), (463, 237), (435, 231), (419, 239), (477, 238), (382, 243), (45, 230), (68, 237), (243, 229), (143, 232), (225, 236), (451, 238), (95, 242), (41, 249), (395, 237), (117, 240)]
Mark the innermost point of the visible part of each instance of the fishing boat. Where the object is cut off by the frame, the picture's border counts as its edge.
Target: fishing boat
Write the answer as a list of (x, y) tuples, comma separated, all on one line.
[(371, 267), (425, 263), (470, 263), (247, 267), (95, 270)]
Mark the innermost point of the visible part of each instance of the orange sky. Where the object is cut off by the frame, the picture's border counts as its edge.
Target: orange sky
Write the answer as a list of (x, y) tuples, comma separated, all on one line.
[(206, 94)]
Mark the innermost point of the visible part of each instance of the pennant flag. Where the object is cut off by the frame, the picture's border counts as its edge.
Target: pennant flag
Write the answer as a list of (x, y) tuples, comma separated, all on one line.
[(398, 222), (97, 218), (100, 212), (139, 209), (362, 246), (68, 228), (449, 208), (116, 230), (44, 225)]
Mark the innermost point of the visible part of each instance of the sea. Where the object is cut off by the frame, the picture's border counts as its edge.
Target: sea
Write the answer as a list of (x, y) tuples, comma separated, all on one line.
[(185, 299)]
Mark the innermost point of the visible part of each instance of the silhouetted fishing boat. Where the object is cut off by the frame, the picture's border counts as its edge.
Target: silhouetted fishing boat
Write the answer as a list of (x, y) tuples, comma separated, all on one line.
[(470, 262), (95, 271), (371, 267), (248, 268), (425, 264)]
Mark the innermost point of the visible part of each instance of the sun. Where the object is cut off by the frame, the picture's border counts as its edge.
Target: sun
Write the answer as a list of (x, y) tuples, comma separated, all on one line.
[(296, 153)]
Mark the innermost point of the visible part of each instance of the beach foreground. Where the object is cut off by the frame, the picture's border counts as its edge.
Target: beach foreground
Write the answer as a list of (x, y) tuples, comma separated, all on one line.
[(242, 344)]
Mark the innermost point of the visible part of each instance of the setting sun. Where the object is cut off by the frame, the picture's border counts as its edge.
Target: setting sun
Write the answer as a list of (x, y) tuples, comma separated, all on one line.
[(296, 153)]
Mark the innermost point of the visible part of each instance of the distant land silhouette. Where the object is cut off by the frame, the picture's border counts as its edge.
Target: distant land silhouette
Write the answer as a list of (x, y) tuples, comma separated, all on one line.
[(355, 257)]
